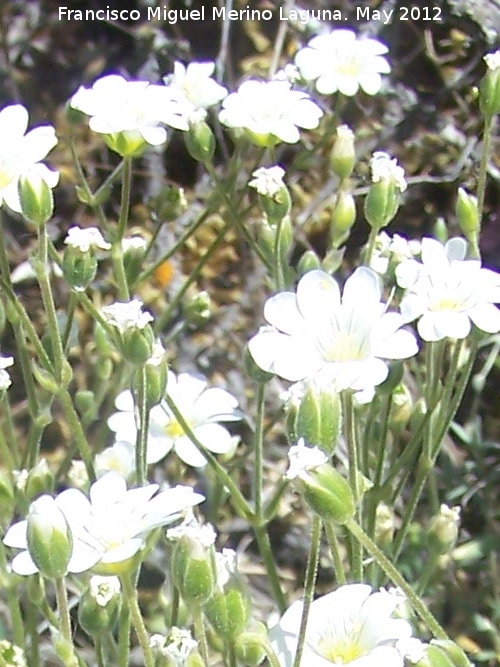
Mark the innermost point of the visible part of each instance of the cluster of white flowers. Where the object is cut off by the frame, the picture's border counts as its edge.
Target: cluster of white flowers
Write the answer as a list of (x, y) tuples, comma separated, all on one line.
[(383, 167), (268, 181), (202, 407), (21, 152), (339, 61)]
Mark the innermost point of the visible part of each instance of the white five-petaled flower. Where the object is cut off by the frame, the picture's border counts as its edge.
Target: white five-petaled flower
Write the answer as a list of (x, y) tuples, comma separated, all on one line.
[(352, 625), (21, 152), (111, 526), (127, 315), (492, 60), (339, 341), (270, 109), (194, 87), (303, 459), (200, 406), (177, 646), (84, 239), (338, 61), (446, 292), (104, 589), (5, 380), (383, 167), (268, 181), (116, 105), (120, 457)]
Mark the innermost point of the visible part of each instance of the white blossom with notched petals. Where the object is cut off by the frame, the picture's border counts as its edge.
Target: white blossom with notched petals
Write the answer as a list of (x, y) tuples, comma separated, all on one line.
[(268, 181), (339, 61), (84, 239), (351, 626), (383, 168), (302, 459), (21, 152), (341, 341), (127, 315), (446, 292), (270, 108), (193, 85), (202, 407)]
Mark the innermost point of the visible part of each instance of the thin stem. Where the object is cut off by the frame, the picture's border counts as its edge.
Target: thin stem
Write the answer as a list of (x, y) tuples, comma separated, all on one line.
[(13, 602), (483, 172), (141, 445), (200, 634), (77, 432), (387, 566), (370, 247), (137, 620), (64, 619), (270, 565), (117, 250), (271, 655), (258, 454), (124, 637), (354, 474), (309, 586), (338, 566)]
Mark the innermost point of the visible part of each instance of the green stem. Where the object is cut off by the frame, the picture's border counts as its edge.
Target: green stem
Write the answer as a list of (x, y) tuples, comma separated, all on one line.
[(77, 432), (271, 655), (430, 569), (200, 634), (392, 573), (267, 556), (309, 586), (137, 620), (370, 247), (278, 268), (258, 454), (64, 619), (483, 172), (141, 445), (338, 566), (117, 250), (13, 602), (124, 637), (354, 475)]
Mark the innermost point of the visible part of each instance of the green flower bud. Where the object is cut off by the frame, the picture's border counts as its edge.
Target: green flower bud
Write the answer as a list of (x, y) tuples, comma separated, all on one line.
[(40, 480), (453, 651), (196, 308), (12, 655), (468, 216), (308, 262), (79, 268), (35, 587), (266, 238), (323, 488), (343, 157), (99, 605), (401, 407), (319, 418), (6, 499), (128, 143), (228, 610), (193, 567), (85, 402), (50, 543), (200, 142), (342, 218), (382, 200), (440, 230), (137, 345), (249, 646), (385, 521), (274, 197), (434, 657), (262, 140), (489, 89), (170, 203), (37, 200), (442, 534), (134, 249)]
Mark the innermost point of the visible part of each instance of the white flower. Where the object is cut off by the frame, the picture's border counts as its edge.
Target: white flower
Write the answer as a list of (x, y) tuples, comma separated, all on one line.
[(127, 315), (268, 181), (302, 459), (78, 475), (337, 61), (84, 239), (492, 60), (104, 589), (135, 107), (270, 108), (178, 646), (351, 626), (226, 566), (119, 457), (193, 85), (339, 341), (5, 381), (394, 250), (446, 292), (21, 152), (383, 167), (194, 530), (12, 655), (134, 243), (202, 408)]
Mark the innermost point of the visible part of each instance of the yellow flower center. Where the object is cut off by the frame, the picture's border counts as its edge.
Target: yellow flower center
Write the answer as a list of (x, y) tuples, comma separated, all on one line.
[(341, 653), (173, 429), (346, 348), (6, 174), (445, 304)]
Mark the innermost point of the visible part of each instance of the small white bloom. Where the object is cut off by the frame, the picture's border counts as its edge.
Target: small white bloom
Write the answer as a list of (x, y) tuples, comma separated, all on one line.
[(383, 167), (446, 292), (302, 459), (134, 243), (338, 61), (492, 60), (136, 107), (84, 239), (21, 152), (339, 341), (78, 475), (412, 649), (104, 589), (194, 86), (268, 181), (177, 646), (289, 73), (5, 381), (270, 108), (392, 250), (127, 315), (352, 625), (193, 529), (12, 655), (202, 408), (20, 478), (120, 457), (226, 565)]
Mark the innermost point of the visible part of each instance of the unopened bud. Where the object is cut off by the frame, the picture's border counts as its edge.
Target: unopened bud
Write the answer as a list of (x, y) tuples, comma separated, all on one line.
[(99, 605), (197, 308), (40, 480), (384, 525), (50, 544), (489, 90), (274, 197), (319, 418), (37, 200), (193, 568), (342, 218), (200, 142), (343, 157), (308, 262), (250, 644), (228, 609), (468, 216), (442, 534), (382, 200)]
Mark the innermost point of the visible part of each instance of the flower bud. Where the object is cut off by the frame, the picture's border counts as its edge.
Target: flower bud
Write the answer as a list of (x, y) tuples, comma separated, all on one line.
[(324, 489), (382, 200), (266, 239), (36, 198), (137, 345), (200, 142), (274, 197), (196, 308), (468, 216), (228, 609), (170, 203), (342, 218), (133, 249), (193, 567), (453, 651), (85, 402), (156, 370), (40, 480), (308, 262), (79, 269), (401, 407), (442, 534), (11, 655), (249, 646), (319, 418), (384, 525), (434, 657), (99, 605), (128, 143), (489, 90), (50, 543), (343, 157), (440, 230)]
